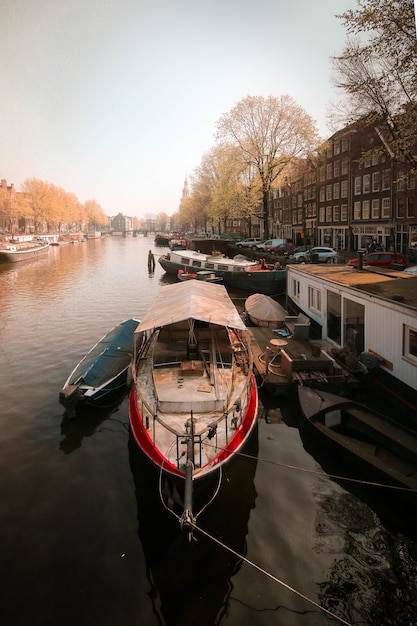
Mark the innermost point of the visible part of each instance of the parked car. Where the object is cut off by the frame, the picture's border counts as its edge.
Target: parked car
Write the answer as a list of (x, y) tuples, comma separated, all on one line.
[(296, 250), (269, 243), (381, 259), (249, 242), (283, 248), (316, 255), (411, 270)]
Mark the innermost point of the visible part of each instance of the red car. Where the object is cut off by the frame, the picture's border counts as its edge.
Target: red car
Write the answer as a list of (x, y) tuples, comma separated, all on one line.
[(381, 259), (282, 248)]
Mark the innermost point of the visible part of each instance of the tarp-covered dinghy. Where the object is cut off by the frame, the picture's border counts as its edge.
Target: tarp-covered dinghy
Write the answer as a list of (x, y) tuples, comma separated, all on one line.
[(193, 400)]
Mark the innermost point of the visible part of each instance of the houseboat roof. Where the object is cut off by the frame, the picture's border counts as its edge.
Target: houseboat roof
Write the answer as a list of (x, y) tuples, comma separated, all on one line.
[(388, 284)]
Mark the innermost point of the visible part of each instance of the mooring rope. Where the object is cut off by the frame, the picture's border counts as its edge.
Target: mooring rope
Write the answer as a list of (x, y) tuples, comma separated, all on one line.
[(266, 573)]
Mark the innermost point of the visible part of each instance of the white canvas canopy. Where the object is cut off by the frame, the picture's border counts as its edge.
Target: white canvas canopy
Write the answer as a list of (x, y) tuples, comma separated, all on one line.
[(264, 308), (193, 299)]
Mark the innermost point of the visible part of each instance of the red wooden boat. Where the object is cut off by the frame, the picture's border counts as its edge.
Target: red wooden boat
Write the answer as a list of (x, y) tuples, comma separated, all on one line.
[(193, 401)]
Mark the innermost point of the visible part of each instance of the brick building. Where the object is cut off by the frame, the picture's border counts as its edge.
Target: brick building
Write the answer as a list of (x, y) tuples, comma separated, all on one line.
[(352, 195)]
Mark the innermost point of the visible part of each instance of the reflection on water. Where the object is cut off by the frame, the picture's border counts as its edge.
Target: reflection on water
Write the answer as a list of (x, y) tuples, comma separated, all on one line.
[(84, 538), (191, 583), (370, 566)]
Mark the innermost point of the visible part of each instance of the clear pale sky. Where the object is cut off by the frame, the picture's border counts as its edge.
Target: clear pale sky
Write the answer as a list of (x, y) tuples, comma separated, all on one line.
[(117, 100)]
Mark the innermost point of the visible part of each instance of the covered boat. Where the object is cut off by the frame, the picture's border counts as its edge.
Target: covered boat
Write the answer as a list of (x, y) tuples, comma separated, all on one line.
[(103, 370), (193, 401), (264, 311), (377, 445), (239, 272)]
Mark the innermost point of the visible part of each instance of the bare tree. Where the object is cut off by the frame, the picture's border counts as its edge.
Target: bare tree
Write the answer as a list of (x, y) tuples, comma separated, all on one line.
[(269, 132), (378, 73)]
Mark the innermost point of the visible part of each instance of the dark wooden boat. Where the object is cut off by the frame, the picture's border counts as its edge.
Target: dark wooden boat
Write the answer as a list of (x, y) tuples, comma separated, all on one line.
[(193, 401), (103, 371), (383, 449)]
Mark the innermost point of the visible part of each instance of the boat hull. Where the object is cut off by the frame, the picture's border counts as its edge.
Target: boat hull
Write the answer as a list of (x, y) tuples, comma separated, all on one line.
[(142, 436), (268, 282), (22, 252), (373, 446)]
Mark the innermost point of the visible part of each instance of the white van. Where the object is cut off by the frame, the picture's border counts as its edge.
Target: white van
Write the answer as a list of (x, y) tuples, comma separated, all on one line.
[(270, 243)]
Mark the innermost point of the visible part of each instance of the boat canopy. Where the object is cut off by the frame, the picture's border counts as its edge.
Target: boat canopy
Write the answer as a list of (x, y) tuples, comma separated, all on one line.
[(264, 308), (193, 299)]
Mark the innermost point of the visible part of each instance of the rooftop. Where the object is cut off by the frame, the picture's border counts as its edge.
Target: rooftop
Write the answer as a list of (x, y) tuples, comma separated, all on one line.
[(384, 283)]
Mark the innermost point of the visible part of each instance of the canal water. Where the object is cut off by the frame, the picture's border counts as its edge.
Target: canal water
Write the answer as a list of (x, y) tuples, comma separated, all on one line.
[(84, 540)]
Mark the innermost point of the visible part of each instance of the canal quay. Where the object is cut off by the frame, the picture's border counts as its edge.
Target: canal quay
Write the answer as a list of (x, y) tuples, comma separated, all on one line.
[(84, 539)]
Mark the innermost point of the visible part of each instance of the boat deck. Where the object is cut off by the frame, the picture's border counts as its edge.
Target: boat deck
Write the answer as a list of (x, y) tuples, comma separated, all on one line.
[(296, 360)]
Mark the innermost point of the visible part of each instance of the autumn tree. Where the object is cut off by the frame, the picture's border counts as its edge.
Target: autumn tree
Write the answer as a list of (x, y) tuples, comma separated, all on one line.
[(377, 72), (269, 133), (95, 215)]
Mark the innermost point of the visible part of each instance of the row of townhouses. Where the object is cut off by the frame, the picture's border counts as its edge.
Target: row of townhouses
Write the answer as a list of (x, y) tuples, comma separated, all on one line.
[(346, 201)]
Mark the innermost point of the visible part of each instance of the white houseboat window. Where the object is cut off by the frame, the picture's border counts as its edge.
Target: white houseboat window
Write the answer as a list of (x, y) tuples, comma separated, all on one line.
[(334, 317), (410, 343), (295, 288), (196, 263), (314, 298), (209, 266), (354, 325)]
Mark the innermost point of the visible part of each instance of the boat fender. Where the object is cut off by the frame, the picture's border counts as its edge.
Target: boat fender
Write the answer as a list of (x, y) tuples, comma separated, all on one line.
[(369, 360)]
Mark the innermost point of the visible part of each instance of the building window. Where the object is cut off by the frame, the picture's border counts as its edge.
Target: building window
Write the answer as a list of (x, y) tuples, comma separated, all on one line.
[(410, 343), (344, 145), (410, 206), (329, 214), (336, 213), (376, 178), (386, 179), (375, 209), (386, 207), (345, 165), (375, 159), (334, 317), (336, 168), (354, 325), (411, 181), (336, 147), (322, 194), (400, 207), (358, 185), (322, 214), (322, 173), (365, 209), (344, 189), (400, 181), (366, 183), (314, 299), (336, 191), (329, 171), (357, 210), (328, 192), (344, 213)]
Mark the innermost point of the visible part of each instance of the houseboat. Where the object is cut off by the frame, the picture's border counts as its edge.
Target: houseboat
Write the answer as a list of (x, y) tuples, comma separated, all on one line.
[(369, 315), (237, 273)]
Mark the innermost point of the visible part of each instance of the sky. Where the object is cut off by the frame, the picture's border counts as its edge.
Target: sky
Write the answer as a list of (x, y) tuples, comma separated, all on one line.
[(117, 100)]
